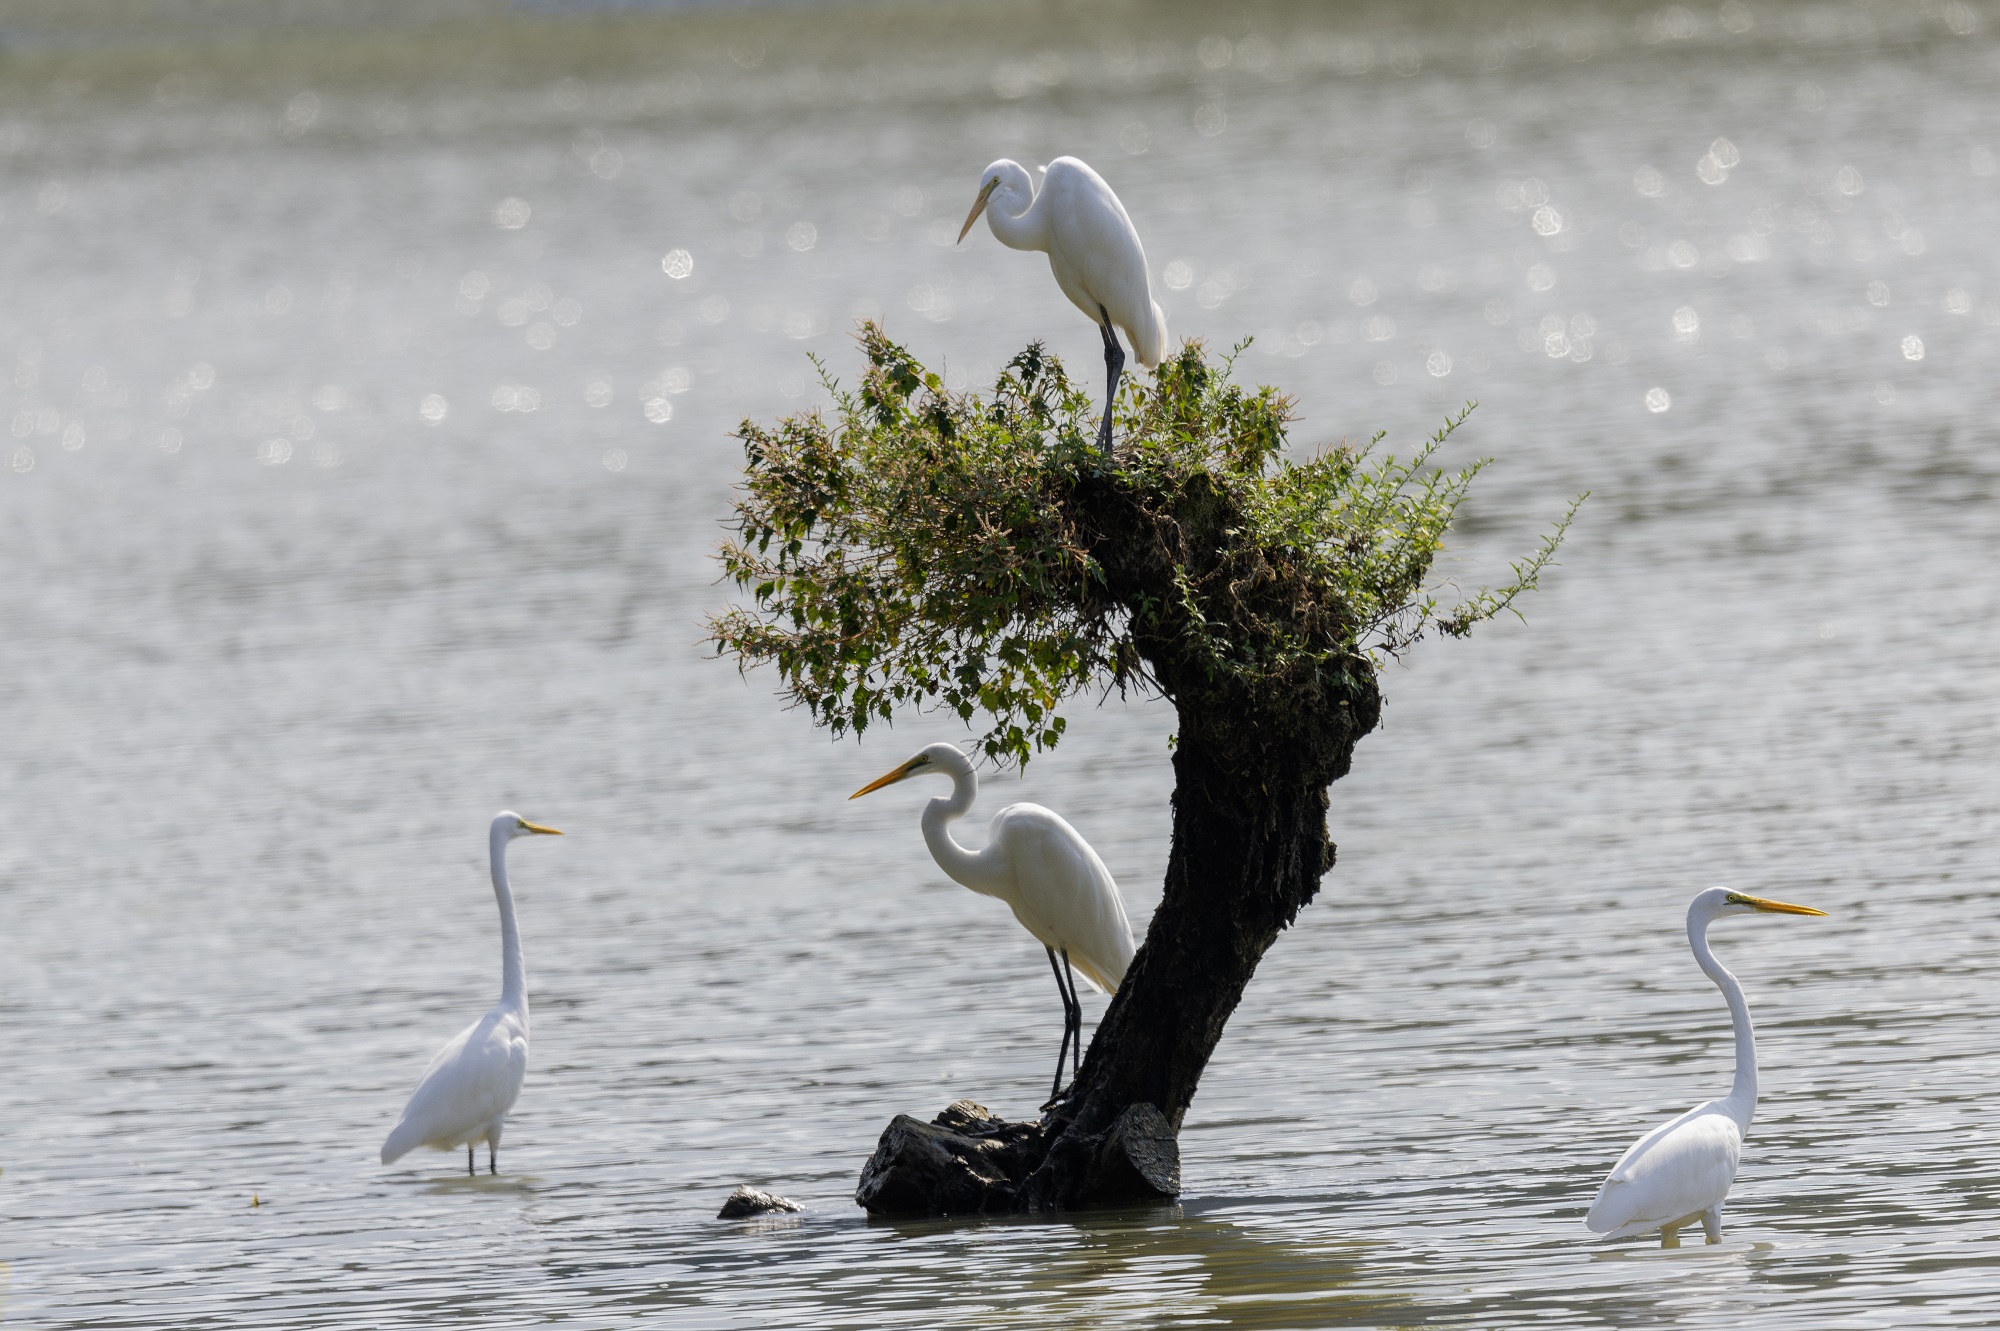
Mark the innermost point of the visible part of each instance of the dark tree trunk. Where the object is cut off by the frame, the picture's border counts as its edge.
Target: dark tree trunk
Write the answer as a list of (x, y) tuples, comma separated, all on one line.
[(1246, 859), (1250, 845)]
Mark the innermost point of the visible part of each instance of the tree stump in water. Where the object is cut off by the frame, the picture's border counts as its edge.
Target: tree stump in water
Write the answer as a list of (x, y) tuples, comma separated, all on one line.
[(969, 1161)]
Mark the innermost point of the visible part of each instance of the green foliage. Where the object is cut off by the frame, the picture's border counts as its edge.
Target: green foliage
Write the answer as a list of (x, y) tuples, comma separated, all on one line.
[(917, 552), (935, 549)]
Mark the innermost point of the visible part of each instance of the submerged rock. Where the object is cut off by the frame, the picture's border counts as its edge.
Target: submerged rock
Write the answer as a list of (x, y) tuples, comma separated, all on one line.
[(747, 1201)]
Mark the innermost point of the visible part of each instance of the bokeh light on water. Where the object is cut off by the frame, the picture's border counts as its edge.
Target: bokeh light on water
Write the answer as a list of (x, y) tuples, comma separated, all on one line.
[(367, 390)]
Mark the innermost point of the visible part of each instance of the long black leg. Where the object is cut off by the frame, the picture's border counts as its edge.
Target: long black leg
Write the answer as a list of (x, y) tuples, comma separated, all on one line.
[(1063, 1052), (469, 1170), (1075, 1022), (492, 1157), (1114, 365)]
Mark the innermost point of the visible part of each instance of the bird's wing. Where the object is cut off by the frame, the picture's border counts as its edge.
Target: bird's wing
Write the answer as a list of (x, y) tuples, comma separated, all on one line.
[(1095, 253), (1682, 1167), (1063, 894), (473, 1080)]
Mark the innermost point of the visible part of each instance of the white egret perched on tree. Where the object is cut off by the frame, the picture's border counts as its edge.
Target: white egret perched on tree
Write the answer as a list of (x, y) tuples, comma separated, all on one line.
[(1045, 871), (1680, 1171), (1093, 247), (464, 1095)]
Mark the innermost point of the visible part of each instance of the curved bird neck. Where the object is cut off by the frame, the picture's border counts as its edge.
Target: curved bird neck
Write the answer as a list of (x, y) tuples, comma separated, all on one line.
[(1742, 1101), (965, 867), (513, 971), (1019, 216)]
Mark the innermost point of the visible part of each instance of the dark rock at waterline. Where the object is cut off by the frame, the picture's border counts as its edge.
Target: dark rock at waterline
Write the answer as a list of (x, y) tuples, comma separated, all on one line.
[(969, 1161), (747, 1201)]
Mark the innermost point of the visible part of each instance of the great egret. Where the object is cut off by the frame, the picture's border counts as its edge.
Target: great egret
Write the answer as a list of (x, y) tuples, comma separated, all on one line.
[(1037, 863), (1680, 1171), (465, 1093), (1099, 263)]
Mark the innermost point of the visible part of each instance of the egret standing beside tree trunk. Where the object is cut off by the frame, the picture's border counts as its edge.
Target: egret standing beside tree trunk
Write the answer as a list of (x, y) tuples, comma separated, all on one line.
[(1041, 867), (464, 1095), (1093, 247), (1680, 1171)]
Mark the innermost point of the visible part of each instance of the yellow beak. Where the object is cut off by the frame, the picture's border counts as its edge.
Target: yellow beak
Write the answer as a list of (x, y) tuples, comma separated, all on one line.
[(537, 827), (1776, 907), (888, 778), (978, 207)]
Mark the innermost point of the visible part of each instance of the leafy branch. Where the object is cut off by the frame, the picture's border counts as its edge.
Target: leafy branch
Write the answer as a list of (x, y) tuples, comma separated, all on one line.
[(931, 549)]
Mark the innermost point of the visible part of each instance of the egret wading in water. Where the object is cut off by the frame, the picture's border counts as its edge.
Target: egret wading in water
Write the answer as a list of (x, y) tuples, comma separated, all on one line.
[(1680, 1171), (1093, 247), (464, 1095), (1048, 874)]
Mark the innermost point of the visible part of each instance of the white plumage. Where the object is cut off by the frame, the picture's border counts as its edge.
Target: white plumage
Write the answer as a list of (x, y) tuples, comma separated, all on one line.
[(1681, 1171), (1047, 874), (464, 1095), (1093, 249), (1672, 1176), (1058, 889)]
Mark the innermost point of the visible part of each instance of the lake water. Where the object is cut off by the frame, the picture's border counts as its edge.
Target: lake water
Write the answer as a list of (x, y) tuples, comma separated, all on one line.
[(363, 468)]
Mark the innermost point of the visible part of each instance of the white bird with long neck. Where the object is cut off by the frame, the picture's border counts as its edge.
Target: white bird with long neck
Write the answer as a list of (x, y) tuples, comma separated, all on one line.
[(465, 1094), (1047, 874), (1681, 1171), (1093, 248)]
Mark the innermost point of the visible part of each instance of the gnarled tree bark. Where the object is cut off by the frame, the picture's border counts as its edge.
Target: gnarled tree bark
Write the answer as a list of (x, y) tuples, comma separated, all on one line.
[(1256, 752)]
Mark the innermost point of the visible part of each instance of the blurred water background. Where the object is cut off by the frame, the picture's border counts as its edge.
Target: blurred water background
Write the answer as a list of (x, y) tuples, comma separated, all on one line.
[(368, 375)]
